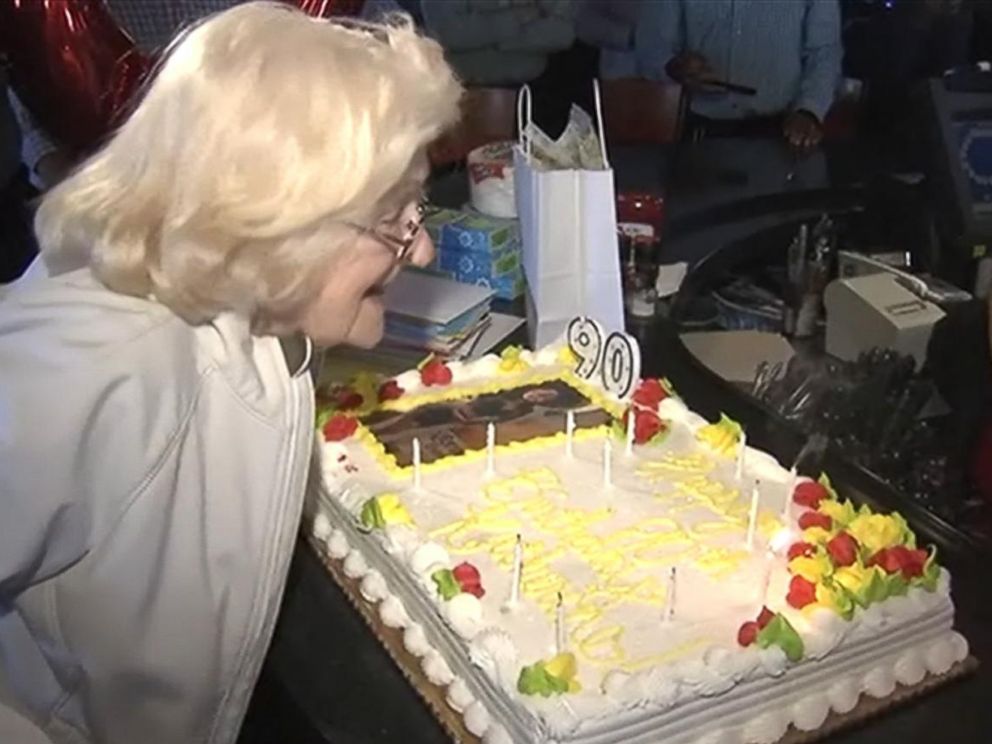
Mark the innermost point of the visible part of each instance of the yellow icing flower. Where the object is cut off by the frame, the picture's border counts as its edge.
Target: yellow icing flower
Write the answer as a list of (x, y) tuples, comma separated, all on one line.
[(567, 358), (564, 667), (813, 569), (510, 360), (865, 585), (842, 513), (723, 436), (834, 598), (816, 535), (393, 511), (877, 531)]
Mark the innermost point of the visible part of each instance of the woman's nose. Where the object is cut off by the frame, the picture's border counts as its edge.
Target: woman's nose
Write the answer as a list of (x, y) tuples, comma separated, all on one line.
[(423, 250)]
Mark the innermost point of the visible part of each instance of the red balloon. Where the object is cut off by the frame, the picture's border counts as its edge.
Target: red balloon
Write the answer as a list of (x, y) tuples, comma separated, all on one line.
[(71, 64), (327, 8), (77, 70)]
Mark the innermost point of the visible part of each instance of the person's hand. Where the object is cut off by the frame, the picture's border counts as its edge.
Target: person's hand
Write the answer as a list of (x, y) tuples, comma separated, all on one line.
[(690, 69), (802, 130)]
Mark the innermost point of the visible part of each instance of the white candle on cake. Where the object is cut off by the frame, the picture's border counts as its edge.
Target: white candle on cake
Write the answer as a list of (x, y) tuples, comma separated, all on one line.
[(561, 635), (490, 449), (766, 576), (752, 520), (416, 464), (790, 490), (669, 614), (517, 576), (569, 432), (607, 463), (631, 419), (741, 453)]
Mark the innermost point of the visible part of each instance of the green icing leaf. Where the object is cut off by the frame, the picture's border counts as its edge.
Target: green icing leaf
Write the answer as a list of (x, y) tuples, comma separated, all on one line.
[(931, 571), (667, 386), (323, 416), (536, 680), (371, 515), (779, 632), (447, 585), (896, 585), (908, 538), (875, 589), (824, 481)]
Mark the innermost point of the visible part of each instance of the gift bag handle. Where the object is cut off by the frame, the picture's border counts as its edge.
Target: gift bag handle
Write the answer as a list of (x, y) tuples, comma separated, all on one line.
[(524, 116), (599, 122)]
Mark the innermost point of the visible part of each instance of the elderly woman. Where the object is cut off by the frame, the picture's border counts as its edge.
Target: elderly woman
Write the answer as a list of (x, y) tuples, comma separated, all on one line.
[(155, 406)]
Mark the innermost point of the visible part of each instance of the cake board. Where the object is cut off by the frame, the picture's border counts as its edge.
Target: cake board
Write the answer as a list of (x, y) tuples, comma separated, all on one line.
[(391, 639)]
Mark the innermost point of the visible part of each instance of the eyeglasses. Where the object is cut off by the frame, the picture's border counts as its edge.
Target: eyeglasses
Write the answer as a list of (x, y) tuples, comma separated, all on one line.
[(402, 247)]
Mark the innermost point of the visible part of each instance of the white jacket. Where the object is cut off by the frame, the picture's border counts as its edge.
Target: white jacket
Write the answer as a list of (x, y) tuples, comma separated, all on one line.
[(151, 481)]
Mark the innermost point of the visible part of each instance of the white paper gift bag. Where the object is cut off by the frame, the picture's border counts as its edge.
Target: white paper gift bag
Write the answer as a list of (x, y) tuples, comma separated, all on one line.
[(568, 230)]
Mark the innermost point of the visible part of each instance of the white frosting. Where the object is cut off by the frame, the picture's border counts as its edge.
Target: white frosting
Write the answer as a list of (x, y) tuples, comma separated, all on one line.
[(940, 656), (374, 587), (337, 545), (477, 718), (495, 653), (393, 613), (496, 734), (810, 712), (401, 540), (464, 612), (355, 566), (428, 558), (843, 695), (321, 528), (880, 682), (459, 697), (910, 668), (436, 668), (415, 640), (766, 728)]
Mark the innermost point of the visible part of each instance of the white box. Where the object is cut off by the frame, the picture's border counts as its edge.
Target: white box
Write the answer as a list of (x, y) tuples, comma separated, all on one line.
[(877, 311)]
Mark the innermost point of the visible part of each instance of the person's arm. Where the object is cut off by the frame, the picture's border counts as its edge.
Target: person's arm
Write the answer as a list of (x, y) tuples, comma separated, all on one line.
[(822, 52), (458, 27), (659, 36)]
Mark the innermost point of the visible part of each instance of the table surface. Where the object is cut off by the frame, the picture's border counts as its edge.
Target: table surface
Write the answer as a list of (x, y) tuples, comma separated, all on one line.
[(348, 689)]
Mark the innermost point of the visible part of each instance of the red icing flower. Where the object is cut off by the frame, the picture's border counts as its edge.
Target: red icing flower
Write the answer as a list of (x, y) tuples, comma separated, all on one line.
[(390, 390), (809, 494), (801, 592), (843, 549), (346, 399), (900, 558), (801, 549), (339, 427), (815, 519), (650, 393), (748, 633), (646, 425), (469, 579), (435, 372), (765, 617)]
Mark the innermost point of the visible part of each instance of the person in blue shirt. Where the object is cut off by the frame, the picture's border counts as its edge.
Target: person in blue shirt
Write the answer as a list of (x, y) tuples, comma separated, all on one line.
[(789, 51)]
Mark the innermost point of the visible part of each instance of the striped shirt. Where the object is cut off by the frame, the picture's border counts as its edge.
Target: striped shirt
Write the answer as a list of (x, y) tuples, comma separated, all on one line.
[(789, 50)]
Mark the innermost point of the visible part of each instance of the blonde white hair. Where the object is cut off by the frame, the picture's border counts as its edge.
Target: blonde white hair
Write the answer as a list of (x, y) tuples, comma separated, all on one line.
[(262, 134)]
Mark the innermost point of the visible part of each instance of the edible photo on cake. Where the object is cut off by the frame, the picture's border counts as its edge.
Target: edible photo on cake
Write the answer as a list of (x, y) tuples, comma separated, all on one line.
[(454, 427)]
